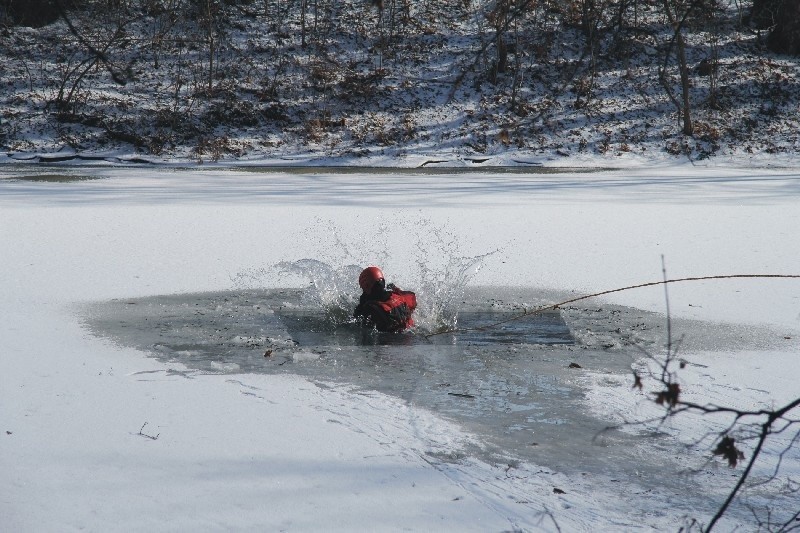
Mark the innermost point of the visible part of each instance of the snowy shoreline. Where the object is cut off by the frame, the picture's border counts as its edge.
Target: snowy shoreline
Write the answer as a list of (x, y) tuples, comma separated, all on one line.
[(444, 162)]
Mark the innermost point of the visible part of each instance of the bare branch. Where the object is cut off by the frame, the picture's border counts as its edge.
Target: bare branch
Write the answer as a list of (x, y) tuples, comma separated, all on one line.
[(145, 435)]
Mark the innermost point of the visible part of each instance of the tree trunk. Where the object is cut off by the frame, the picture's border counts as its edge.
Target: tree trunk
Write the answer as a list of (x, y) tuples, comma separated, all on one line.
[(303, 5), (211, 45), (688, 128)]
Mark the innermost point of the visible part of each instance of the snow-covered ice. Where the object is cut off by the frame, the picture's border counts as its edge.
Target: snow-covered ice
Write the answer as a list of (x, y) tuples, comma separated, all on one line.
[(97, 435)]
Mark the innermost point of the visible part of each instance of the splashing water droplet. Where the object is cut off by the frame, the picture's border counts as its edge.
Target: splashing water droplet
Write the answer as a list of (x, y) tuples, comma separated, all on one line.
[(332, 289), (443, 275), (442, 291)]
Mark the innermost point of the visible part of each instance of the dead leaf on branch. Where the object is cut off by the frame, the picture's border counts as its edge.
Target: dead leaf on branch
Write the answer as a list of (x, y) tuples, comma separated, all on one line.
[(669, 396), (637, 381), (727, 449)]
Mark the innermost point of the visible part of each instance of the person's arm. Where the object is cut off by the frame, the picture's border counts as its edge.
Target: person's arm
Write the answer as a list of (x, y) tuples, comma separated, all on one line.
[(409, 297)]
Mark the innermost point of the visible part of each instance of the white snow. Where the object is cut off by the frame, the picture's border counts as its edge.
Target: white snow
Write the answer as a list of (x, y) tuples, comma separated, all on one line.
[(99, 437)]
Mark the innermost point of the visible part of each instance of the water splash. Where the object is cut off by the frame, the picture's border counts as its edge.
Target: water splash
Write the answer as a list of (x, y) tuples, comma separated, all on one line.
[(332, 289), (415, 253), (444, 274), (442, 291)]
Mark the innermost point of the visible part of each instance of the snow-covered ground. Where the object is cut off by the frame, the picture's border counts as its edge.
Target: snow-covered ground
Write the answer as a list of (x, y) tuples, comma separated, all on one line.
[(98, 436), (413, 85)]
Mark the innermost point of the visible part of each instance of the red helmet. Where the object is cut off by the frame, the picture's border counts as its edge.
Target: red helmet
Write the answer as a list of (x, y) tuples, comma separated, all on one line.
[(368, 278)]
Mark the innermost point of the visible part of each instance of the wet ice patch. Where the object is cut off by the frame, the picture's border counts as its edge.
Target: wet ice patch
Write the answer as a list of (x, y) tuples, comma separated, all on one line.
[(520, 387), (224, 368), (247, 340), (304, 356)]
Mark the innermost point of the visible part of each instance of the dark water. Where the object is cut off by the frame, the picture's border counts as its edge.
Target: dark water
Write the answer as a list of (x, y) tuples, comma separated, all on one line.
[(316, 329)]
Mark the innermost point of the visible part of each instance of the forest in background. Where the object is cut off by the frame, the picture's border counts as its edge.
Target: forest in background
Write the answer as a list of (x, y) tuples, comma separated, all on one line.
[(221, 79)]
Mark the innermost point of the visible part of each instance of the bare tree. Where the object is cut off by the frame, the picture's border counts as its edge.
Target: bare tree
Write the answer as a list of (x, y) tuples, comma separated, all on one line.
[(677, 13)]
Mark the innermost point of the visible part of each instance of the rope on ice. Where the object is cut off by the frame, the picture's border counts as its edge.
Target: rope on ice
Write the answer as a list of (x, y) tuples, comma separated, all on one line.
[(603, 293)]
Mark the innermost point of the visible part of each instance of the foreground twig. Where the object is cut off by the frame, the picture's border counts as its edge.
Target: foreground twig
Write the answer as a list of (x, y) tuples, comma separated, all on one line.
[(766, 430), (145, 435), (726, 446)]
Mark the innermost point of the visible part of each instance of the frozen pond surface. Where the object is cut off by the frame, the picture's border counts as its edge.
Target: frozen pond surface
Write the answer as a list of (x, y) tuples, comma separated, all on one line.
[(516, 386), (180, 267)]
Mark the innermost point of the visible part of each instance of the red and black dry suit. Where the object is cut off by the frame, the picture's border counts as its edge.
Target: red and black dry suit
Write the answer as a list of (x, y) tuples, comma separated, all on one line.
[(389, 309)]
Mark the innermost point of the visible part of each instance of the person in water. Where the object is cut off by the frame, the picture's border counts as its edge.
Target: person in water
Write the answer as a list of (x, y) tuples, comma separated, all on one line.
[(382, 306)]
